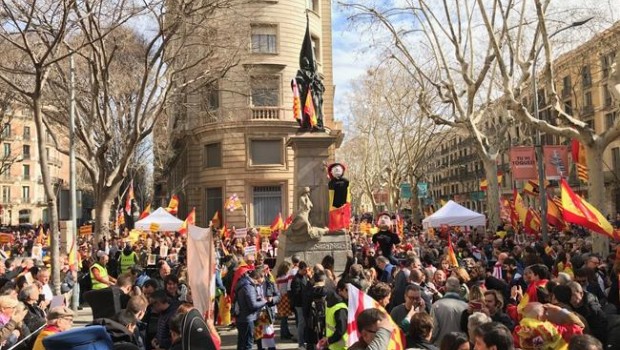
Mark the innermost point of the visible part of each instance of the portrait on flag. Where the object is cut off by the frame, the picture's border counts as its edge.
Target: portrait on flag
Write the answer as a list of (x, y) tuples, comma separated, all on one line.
[(523, 163)]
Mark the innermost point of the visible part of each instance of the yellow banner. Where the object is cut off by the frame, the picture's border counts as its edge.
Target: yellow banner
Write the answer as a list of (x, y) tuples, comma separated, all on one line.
[(86, 230), (264, 231), (154, 227)]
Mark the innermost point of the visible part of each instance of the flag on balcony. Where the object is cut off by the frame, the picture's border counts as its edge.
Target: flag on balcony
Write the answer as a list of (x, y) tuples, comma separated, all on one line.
[(484, 184), (578, 152), (129, 198), (189, 220), (173, 205), (309, 110), (146, 212), (296, 102), (579, 212), (232, 203)]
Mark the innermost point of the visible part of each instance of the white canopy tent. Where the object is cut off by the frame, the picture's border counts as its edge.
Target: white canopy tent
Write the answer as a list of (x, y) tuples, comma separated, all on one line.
[(453, 214), (165, 220)]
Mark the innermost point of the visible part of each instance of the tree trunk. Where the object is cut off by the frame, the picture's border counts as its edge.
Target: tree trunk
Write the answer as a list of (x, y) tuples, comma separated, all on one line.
[(102, 219), (416, 203), (490, 169), (596, 193), (48, 187)]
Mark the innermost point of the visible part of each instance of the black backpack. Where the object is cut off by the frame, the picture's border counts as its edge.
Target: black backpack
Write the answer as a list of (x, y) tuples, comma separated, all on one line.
[(317, 316)]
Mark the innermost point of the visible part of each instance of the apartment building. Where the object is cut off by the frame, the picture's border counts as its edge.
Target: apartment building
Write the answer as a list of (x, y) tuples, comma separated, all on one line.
[(23, 199), (231, 137)]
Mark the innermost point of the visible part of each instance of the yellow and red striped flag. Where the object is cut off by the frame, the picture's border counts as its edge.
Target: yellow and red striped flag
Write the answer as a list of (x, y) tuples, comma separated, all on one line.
[(189, 220), (554, 214), (360, 301), (451, 255), (146, 212), (578, 211), (277, 223), (309, 109), (173, 205), (578, 152), (296, 101)]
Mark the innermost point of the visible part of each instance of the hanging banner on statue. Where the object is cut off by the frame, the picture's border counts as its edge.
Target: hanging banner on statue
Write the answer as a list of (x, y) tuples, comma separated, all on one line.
[(422, 189), (523, 163), (405, 191), (556, 162)]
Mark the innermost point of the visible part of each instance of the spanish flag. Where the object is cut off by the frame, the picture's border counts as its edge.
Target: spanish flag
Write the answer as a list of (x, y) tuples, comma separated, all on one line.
[(189, 220), (451, 255), (579, 212), (146, 212), (173, 205), (288, 221), (484, 184), (554, 214), (215, 220), (277, 223)]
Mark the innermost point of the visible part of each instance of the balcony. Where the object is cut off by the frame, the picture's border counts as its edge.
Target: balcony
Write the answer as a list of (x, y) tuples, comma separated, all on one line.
[(8, 136), (26, 156), (587, 110), (54, 161), (26, 200), (6, 179), (27, 137), (266, 113), (41, 202), (26, 177)]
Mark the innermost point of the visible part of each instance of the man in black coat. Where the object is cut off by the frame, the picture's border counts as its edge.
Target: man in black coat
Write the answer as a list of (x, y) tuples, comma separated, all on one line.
[(298, 285)]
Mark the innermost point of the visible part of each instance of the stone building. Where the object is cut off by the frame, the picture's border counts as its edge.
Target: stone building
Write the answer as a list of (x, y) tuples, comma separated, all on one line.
[(23, 197), (231, 136)]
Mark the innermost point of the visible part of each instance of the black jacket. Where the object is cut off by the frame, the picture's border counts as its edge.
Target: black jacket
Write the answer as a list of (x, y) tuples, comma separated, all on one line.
[(298, 284), (311, 294), (592, 311)]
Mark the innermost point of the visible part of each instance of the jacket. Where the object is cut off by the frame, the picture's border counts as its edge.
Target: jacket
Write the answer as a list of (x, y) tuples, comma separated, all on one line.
[(298, 284), (380, 342), (592, 311), (163, 325), (418, 343), (248, 300), (45, 332), (446, 313), (340, 317)]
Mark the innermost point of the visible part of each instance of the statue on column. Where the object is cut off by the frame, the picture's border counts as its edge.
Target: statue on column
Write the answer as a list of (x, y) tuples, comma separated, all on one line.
[(301, 230), (308, 89), (339, 198)]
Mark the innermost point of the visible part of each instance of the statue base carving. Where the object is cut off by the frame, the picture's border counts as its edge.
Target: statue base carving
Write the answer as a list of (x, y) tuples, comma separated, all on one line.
[(312, 251)]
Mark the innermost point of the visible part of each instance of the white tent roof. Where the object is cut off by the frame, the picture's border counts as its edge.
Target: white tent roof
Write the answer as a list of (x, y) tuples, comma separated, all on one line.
[(166, 221), (453, 214)]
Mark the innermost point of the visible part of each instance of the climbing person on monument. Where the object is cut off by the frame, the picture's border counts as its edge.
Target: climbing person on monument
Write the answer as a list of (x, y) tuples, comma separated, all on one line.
[(386, 238)]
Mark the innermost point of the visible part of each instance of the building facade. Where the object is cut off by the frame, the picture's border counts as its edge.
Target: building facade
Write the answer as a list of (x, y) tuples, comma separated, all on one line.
[(23, 197), (581, 80), (231, 137)]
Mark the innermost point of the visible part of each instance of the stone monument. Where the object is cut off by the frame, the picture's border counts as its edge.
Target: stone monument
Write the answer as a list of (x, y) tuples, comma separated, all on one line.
[(307, 235)]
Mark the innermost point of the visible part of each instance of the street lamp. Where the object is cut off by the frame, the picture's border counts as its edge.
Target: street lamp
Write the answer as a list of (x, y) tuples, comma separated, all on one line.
[(539, 148)]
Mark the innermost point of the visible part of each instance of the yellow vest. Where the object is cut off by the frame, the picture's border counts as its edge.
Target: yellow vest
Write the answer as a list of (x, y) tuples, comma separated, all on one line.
[(127, 261), (330, 326), (103, 273)]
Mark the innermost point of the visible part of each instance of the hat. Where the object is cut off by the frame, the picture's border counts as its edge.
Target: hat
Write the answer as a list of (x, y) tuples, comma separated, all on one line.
[(59, 312)]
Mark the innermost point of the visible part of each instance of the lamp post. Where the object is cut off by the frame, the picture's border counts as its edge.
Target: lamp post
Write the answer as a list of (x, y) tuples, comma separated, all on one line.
[(539, 147)]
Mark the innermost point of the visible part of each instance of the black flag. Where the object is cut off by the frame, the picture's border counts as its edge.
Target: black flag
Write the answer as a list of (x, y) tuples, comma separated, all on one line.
[(307, 53)]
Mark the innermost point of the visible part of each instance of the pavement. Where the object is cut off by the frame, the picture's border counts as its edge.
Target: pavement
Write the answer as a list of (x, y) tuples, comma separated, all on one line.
[(227, 334)]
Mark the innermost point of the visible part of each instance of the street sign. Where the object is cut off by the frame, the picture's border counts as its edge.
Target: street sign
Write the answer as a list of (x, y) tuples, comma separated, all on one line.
[(405, 191)]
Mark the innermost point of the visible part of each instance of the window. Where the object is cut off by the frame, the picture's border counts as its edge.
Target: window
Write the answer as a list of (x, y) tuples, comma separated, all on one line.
[(210, 99), (266, 152), (267, 203), (606, 95), (265, 91), (6, 131), (590, 123), (7, 149), (264, 39), (25, 194), (316, 48), (26, 151), (587, 103), (566, 86), (6, 194), (606, 62), (615, 158), (312, 5), (7, 172), (568, 108), (214, 202), (26, 133), (610, 119), (586, 76), (213, 155), (26, 171)]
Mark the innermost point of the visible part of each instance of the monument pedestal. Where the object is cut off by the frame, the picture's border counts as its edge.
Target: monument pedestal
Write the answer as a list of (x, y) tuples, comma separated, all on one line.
[(312, 152)]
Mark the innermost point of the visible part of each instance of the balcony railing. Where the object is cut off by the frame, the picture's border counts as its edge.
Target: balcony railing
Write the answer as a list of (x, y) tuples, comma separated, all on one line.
[(266, 113), (25, 200), (26, 156)]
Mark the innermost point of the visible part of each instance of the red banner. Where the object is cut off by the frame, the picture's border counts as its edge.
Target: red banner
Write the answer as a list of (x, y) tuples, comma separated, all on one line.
[(523, 163), (556, 162)]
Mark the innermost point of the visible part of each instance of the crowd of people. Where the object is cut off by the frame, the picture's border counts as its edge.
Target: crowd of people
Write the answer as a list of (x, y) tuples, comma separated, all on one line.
[(488, 289), (505, 290)]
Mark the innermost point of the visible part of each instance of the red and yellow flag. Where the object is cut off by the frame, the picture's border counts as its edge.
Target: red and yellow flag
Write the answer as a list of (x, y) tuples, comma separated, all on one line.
[(309, 109), (579, 212), (277, 223), (400, 226), (173, 205), (146, 212), (484, 184), (554, 214), (120, 218), (532, 222), (578, 152), (216, 220), (451, 255), (288, 221), (129, 198), (189, 220), (296, 101)]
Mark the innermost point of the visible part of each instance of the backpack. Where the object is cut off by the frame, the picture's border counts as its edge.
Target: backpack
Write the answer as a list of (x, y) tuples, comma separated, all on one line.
[(317, 316)]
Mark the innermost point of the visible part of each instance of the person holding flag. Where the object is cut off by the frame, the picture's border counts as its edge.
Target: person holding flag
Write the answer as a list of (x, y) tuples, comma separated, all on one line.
[(375, 328)]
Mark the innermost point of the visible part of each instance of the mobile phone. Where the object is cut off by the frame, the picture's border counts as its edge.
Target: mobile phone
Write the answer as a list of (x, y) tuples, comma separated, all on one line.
[(476, 305)]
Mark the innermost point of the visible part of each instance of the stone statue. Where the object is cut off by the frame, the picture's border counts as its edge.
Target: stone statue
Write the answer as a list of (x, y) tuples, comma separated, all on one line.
[(300, 230)]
